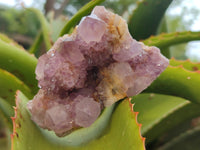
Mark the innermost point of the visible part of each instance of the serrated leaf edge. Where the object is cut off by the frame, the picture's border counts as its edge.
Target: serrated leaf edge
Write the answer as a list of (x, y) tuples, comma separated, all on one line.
[(13, 120), (185, 61), (181, 67), (137, 123)]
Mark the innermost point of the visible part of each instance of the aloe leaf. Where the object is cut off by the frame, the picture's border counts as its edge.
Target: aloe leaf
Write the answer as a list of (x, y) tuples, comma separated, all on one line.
[(176, 132), (9, 84), (146, 18), (160, 113), (6, 112), (122, 131), (45, 27), (187, 64), (168, 39), (3, 144), (20, 63), (36, 44), (4, 140), (186, 141), (6, 39), (178, 81), (56, 25), (163, 28), (86, 9)]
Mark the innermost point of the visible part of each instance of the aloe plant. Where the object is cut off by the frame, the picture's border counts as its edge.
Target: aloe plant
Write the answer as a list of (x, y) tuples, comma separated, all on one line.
[(164, 116)]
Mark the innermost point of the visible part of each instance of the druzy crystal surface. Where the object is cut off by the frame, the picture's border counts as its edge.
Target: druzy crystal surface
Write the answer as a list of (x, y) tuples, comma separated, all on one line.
[(97, 65)]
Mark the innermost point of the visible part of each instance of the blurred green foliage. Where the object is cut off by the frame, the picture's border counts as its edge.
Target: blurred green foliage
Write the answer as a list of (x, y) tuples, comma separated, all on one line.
[(19, 24), (18, 21)]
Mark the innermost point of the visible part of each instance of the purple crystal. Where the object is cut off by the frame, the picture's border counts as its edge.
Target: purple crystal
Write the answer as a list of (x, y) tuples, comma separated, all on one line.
[(95, 66)]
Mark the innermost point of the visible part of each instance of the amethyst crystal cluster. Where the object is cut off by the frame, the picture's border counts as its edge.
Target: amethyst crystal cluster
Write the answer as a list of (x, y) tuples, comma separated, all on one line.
[(97, 65)]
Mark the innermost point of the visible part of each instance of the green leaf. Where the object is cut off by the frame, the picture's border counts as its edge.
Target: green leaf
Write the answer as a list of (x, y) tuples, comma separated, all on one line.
[(20, 63), (176, 131), (6, 39), (45, 27), (3, 144), (35, 46), (9, 84), (163, 28), (6, 112), (146, 18), (122, 131), (5, 125), (177, 81), (4, 140), (86, 9), (186, 141), (187, 64), (56, 25), (160, 113), (168, 39)]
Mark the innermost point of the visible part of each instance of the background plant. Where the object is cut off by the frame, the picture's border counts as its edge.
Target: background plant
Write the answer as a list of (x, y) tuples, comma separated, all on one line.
[(169, 109)]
